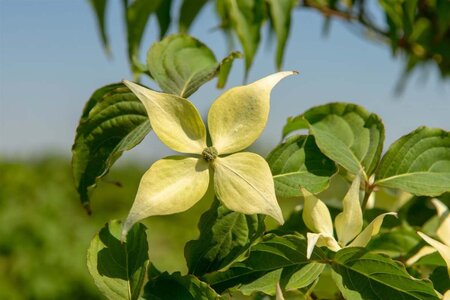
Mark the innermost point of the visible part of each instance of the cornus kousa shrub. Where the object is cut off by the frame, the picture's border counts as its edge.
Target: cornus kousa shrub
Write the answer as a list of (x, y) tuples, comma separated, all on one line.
[(390, 235)]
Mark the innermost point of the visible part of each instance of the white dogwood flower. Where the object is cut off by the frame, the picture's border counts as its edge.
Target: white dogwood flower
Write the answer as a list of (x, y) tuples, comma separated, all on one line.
[(242, 181), (348, 223)]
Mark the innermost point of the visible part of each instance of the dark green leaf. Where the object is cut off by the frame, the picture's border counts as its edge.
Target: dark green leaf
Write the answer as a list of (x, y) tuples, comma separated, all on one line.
[(113, 121), (440, 279), (280, 13), (164, 17), (247, 17), (225, 68), (297, 163), (396, 242), (174, 73), (224, 236), (119, 268), (364, 275), (99, 7), (265, 258), (418, 163), (188, 12), (344, 132), (137, 15), (177, 287)]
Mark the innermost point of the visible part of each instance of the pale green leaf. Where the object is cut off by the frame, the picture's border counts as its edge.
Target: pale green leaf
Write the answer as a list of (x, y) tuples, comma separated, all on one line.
[(171, 185), (443, 231), (280, 13), (443, 249), (177, 287), (350, 221), (238, 116), (119, 268), (180, 64), (260, 271), (298, 162), (366, 275), (243, 183), (137, 15), (175, 120), (418, 163), (372, 229), (224, 236), (189, 10), (247, 17), (344, 132), (113, 121), (225, 68), (316, 214)]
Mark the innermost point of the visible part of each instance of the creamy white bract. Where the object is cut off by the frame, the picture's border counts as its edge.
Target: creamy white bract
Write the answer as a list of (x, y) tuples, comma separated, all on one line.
[(242, 181)]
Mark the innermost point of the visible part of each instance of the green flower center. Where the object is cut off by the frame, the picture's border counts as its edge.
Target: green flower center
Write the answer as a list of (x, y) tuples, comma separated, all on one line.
[(209, 154)]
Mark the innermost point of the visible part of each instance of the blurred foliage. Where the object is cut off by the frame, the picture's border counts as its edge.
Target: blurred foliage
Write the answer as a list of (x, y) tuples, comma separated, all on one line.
[(45, 232), (418, 30)]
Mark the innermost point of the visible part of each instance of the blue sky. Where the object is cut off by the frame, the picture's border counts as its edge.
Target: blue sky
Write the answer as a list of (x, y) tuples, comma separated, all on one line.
[(51, 61)]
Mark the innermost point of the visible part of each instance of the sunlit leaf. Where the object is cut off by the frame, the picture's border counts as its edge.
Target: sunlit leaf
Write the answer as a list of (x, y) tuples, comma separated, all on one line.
[(171, 185), (119, 268), (261, 270), (113, 121), (366, 275), (238, 116), (224, 236), (180, 64), (297, 163), (418, 163), (243, 183), (344, 132)]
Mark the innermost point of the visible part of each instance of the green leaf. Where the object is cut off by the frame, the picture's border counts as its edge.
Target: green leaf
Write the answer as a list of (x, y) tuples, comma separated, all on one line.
[(119, 268), (188, 12), (418, 163), (344, 132), (113, 121), (396, 242), (99, 7), (280, 13), (224, 236), (164, 17), (174, 73), (273, 253), (175, 286), (247, 17), (225, 68), (364, 275), (137, 15), (297, 163)]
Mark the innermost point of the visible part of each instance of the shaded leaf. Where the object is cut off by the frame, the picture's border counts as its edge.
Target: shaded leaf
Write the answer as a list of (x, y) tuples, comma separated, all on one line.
[(418, 163), (164, 17), (99, 7), (396, 242), (367, 275), (174, 73), (247, 17), (224, 236), (175, 287), (297, 163), (273, 253), (280, 13), (188, 12), (225, 68), (119, 268), (113, 121), (344, 132)]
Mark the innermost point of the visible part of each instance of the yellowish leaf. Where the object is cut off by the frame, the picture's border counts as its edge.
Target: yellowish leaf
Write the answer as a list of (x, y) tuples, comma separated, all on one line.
[(443, 231), (243, 182), (238, 116), (316, 214), (320, 240), (350, 221), (372, 229), (175, 120), (171, 185), (443, 249)]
